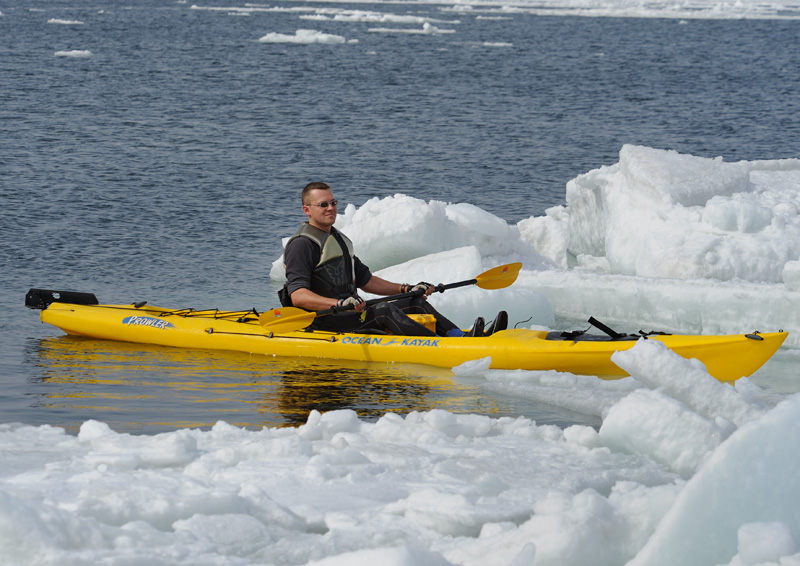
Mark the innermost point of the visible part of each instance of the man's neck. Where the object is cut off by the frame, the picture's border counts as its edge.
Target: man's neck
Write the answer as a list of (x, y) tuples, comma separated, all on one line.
[(323, 228)]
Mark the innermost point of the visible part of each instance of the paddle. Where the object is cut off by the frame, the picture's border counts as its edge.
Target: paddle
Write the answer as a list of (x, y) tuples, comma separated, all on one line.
[(290, 319)]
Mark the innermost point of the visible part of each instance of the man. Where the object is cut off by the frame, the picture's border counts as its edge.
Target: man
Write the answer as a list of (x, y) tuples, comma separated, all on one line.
[(322, 272)]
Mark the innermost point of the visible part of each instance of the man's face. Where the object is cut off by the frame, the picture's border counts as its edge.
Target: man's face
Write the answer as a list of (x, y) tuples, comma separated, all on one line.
[(319, 217)]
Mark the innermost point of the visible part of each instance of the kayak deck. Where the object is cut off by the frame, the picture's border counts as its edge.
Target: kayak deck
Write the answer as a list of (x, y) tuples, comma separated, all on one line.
[(727, 357)]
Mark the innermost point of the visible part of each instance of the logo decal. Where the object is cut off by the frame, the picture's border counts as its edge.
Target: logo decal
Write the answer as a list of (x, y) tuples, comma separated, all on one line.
[(384, 341), (147, 321)]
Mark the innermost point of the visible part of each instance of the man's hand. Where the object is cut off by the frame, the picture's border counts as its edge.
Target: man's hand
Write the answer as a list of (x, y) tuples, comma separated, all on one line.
[(426, 288), (353, 302)]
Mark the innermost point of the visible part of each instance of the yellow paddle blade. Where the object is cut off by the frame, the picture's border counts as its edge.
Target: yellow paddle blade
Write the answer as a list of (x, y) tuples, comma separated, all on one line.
[(498, 277), (287, 319)]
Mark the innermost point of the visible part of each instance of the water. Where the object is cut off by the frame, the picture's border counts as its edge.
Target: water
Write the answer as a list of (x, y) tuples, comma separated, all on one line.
[(167, 165)]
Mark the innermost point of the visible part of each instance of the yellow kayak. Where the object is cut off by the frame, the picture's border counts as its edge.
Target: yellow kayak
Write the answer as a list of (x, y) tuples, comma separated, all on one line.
[(726, 357)]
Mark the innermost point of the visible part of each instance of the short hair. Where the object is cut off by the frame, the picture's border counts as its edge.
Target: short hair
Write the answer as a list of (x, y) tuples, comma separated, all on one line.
[(315, 186)]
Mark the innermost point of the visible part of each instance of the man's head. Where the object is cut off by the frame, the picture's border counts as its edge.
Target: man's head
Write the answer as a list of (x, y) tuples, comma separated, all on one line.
[(319, 205)]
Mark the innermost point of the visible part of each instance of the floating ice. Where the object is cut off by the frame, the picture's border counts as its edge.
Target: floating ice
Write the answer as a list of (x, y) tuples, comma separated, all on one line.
[(427, 29), (348, 16), (505, 9), (743, 482), (65, 22), (761, 543), (429, 488), (305, 37), (791, 275), (73, 53), (661, 214)]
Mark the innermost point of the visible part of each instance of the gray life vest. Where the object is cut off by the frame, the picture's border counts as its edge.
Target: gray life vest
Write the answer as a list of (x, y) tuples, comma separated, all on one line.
[(334, 274)]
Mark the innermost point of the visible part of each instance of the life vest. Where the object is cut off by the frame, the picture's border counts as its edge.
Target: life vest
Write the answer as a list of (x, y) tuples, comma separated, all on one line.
[(334, 274)]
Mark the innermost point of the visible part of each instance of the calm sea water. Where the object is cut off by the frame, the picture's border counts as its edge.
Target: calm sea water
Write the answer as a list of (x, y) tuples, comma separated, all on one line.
[(166, 167)]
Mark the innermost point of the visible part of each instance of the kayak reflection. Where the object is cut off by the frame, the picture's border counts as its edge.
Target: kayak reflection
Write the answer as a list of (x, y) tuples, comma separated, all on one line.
[(147, 389), (371, 394)]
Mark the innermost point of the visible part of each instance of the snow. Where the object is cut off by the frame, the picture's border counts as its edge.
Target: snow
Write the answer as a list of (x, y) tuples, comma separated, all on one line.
[(682, 469)]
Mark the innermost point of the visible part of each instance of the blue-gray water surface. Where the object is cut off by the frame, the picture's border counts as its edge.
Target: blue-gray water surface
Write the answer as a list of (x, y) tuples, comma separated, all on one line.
[(166, 167)]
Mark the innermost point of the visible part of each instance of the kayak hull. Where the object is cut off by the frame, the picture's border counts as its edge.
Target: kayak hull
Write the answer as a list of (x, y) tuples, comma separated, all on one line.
[(727, 357)]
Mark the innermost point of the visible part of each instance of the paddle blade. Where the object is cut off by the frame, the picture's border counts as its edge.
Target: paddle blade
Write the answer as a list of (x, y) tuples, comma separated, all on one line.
[(287, 319), (498, 277)]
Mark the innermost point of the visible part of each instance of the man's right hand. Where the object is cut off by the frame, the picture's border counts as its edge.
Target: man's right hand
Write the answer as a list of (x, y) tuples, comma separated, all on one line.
[(353, 302)]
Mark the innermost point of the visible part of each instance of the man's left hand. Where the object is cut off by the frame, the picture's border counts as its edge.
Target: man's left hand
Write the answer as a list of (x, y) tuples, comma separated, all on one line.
[(352, 302), (426, 288)]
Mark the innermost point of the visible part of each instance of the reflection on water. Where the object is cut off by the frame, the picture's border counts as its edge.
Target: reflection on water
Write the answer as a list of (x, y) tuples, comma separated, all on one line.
[(370, 391), (779, 376), (144, 388)]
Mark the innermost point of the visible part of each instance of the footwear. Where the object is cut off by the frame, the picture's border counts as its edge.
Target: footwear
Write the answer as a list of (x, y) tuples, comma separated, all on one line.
[(477, 328), (499, 323)]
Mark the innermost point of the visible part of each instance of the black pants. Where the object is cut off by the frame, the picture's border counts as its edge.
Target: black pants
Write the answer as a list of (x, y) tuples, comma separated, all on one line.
[(387, 317)]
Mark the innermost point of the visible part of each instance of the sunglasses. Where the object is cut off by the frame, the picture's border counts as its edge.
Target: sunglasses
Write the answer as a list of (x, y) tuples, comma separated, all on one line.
[(325, 204)]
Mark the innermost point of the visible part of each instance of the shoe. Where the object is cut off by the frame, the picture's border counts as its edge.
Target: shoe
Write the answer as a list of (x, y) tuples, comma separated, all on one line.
[(477, 328), (499, 323)]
